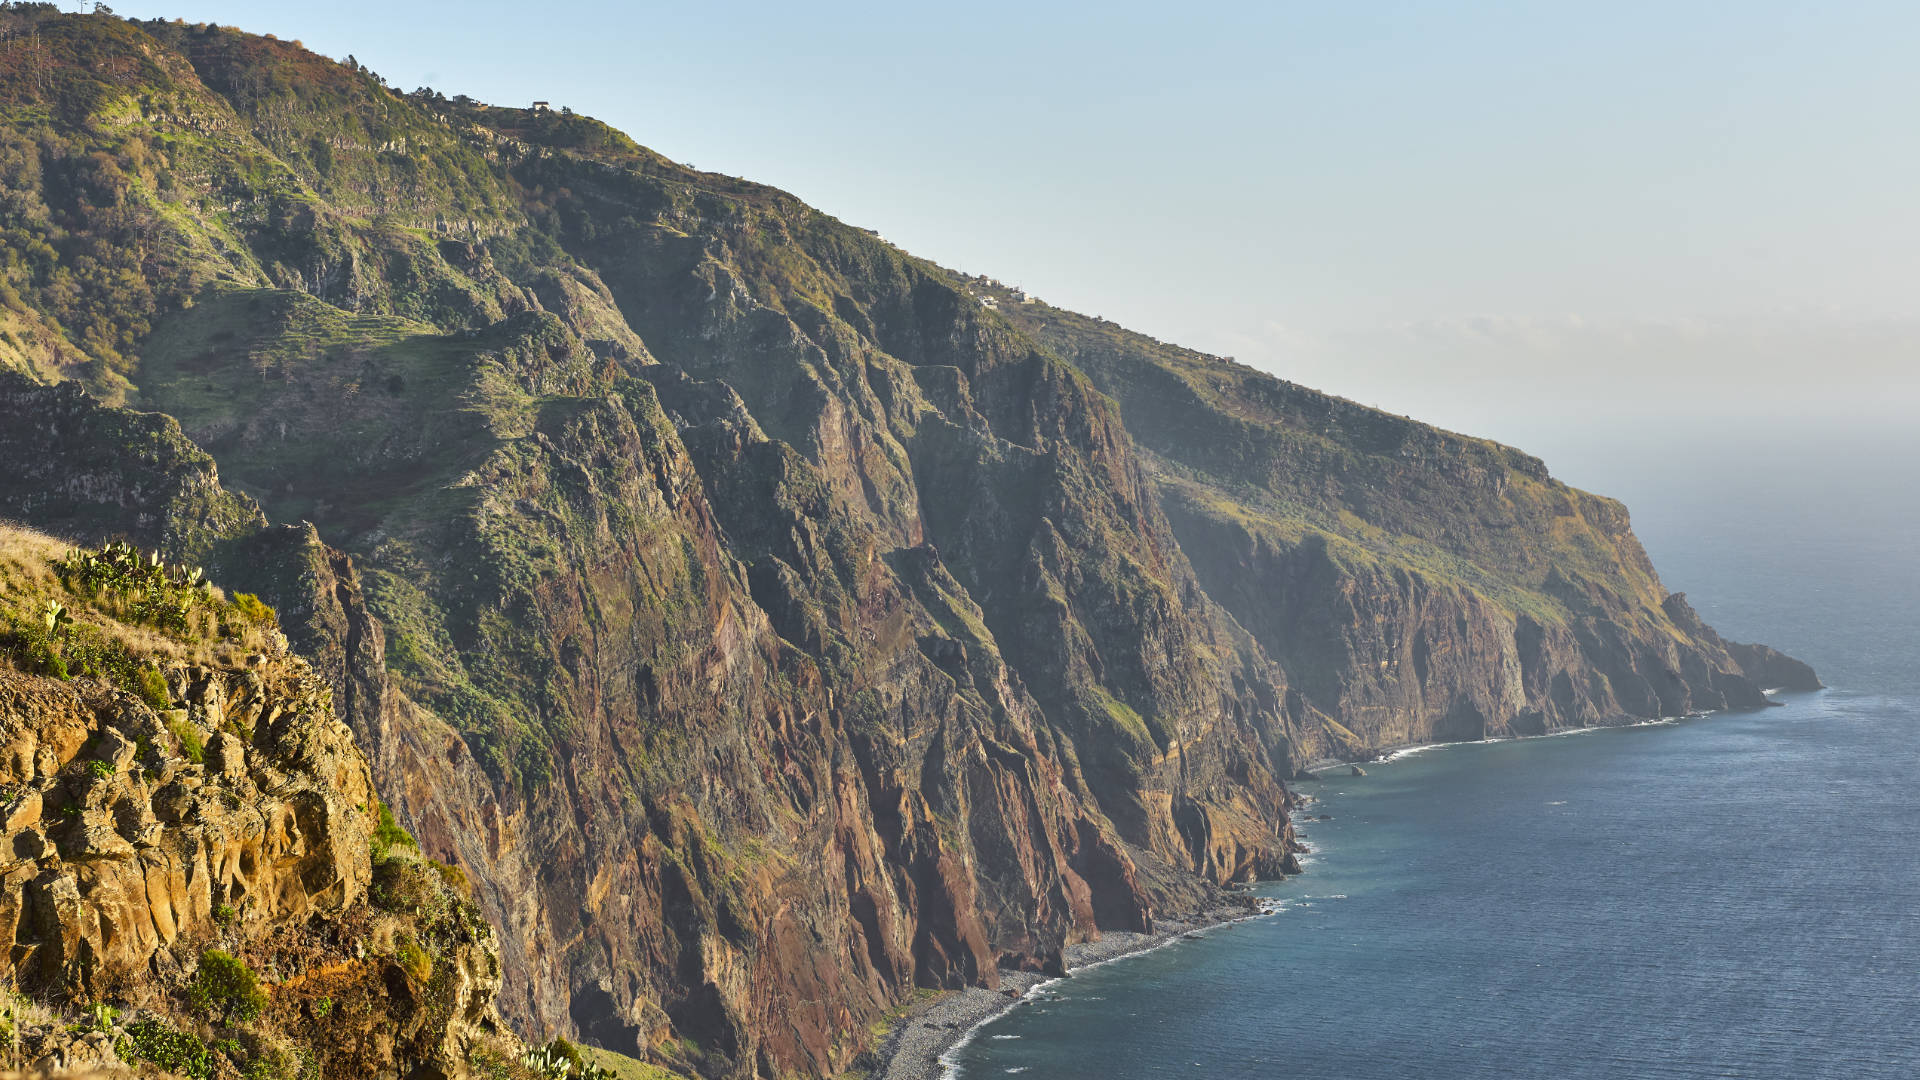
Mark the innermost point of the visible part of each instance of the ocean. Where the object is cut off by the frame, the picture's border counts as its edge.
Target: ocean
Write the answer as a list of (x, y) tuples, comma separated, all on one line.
[(1735, 895)]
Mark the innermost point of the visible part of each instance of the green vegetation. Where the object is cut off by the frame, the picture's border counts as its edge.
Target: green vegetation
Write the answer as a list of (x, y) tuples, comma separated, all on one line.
[(102, 238), (1124, 719), (388, 834), (191, 746), (455, 878), (153, 1039), (406, 883), (560, 1060), (616, 1066), (493, 1061), (433, 897), (117, 615), (225, 989), (252, 610), (111, 614), (144, 589), (153, 688), (413, 959), (264, 1056)]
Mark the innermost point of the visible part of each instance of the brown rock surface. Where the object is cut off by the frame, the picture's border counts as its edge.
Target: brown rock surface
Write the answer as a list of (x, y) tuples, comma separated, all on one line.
[(125, 860)]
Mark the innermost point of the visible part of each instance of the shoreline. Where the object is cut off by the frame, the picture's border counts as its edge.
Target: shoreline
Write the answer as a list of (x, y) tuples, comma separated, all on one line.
[(921, 1042), (1386, 754), (918, 1046)]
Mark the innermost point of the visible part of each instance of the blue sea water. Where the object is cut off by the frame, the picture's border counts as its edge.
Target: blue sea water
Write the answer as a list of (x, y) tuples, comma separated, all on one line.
[(1728, 896)]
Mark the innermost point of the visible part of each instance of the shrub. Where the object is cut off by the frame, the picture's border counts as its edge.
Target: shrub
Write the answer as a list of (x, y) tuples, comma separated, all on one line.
[(153, 687), (143, 589), (454, 876), (407, 886), (191, 747), (265, 1056), (566, 1051), (413, 959), (488, 1062), (18, 1013), (546, 1063), (254, 610), (226, 987), (389, 834), (100, 769), (82, 650), (169, 1048), (50, 663)]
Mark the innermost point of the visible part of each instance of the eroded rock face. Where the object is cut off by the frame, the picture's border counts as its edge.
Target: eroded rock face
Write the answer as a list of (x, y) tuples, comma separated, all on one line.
[(126, 859), (1385, 657), (889, 893), (119, 847), (1414, 585)]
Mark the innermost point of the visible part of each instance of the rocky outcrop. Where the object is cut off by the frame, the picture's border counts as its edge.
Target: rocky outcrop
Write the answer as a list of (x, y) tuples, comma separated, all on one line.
[(1766, 667), (201, 872), (1383, 655), (121, 846)]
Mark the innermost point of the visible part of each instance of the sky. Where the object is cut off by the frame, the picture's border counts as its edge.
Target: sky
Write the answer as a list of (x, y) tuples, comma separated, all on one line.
[(1545, 222)]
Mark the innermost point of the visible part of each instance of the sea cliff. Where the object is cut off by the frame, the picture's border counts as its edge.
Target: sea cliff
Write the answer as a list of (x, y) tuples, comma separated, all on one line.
[(768, 623)]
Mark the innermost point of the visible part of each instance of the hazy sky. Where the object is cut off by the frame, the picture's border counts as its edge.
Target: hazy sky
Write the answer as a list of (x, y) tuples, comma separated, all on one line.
[(1525, 220)]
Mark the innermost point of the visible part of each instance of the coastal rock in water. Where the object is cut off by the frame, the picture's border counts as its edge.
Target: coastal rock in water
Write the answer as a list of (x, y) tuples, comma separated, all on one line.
[(1356, 770)]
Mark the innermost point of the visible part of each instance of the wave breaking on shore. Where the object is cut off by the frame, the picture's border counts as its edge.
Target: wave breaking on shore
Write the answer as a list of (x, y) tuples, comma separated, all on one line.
[(925, 1044)]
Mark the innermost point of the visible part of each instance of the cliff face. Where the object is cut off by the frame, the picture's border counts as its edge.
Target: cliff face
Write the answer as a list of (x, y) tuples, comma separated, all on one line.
[(766, 624), (1415, 585)]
